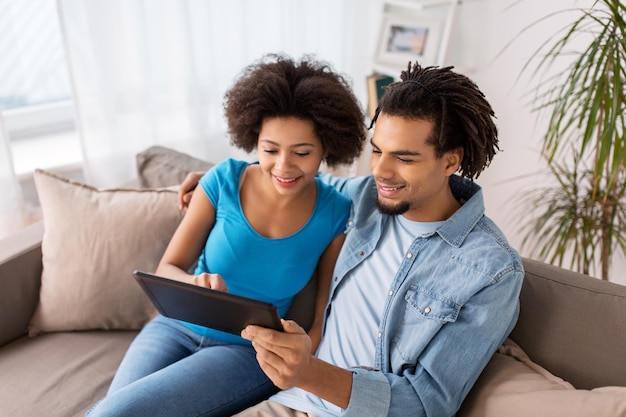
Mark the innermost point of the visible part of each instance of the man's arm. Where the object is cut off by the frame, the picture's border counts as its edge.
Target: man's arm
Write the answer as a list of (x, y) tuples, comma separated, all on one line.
[(447, 368), (444, 372), (346, 186)]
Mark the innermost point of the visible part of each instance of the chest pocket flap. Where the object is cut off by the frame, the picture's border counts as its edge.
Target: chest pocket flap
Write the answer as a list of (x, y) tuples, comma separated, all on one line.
[(432, 305)]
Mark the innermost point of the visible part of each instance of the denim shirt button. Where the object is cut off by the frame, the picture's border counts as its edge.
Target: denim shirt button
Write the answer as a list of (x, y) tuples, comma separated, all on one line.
[(410, 255), (380, 334), (427, 310), (390, 293), (361, 253)]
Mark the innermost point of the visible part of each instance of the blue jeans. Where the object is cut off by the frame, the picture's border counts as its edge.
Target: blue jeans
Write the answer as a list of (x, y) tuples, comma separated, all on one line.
[(170, 370)]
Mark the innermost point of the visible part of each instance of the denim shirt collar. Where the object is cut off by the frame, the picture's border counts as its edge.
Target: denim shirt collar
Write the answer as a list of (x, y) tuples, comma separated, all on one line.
[(454, 230)]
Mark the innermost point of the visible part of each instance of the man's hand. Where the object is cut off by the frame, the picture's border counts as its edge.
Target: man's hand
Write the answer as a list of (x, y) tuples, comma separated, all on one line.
[(186, 188), (284, 357)]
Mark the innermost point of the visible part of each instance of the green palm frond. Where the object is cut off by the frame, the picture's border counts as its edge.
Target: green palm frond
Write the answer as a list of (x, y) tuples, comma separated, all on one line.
[(582, 217), (572, 220)]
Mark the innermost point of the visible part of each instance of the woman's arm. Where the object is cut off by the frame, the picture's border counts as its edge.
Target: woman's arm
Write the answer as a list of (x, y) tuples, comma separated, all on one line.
[(325, 269), (187, 243)]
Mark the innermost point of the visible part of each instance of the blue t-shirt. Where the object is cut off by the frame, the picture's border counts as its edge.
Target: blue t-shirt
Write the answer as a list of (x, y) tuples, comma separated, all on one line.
[(267, 269)]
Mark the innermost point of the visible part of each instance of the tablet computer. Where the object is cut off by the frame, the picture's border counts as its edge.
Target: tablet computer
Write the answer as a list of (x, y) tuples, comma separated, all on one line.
[(206, 307)]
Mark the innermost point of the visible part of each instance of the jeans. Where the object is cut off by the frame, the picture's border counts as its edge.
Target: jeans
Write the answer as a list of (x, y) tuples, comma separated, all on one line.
[(170, 370)]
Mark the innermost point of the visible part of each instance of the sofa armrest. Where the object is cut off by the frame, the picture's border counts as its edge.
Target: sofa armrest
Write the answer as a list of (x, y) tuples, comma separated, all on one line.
[(20, 280), (573, 325)]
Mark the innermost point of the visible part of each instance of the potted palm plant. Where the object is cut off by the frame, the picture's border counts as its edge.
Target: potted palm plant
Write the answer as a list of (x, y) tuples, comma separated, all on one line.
[(581, 219)]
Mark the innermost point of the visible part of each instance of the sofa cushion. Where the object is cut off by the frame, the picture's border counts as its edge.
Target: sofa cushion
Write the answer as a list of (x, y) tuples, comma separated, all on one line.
[(59, 374), (513, 385), (93, 240), (568, 318), (158, 166)]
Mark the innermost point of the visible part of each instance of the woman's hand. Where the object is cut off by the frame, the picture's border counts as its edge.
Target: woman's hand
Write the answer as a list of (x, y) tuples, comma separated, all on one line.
[(212, 281)]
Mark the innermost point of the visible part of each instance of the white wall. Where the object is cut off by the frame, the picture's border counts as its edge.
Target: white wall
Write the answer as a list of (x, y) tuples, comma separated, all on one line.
[(483, 29)]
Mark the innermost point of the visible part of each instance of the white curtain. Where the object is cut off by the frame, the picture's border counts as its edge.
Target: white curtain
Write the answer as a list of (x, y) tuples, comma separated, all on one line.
[(11, 204), (148, 72)]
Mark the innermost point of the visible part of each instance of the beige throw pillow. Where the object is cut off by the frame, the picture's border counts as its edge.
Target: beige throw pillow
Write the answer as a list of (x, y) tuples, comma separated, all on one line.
[(93, 241), (512, 385)]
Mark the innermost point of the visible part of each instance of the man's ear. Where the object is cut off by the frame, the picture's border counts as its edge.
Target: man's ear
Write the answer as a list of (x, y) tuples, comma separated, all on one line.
[(453, 160)]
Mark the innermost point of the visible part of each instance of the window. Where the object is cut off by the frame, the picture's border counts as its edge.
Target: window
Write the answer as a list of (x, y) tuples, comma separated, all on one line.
[(35, 93)]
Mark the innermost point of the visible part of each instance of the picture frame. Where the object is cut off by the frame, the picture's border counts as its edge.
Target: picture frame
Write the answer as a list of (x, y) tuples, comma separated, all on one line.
[(405, 38)]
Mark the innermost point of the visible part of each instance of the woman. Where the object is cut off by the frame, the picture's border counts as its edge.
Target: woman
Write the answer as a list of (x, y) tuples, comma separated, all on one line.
[(257, 229)]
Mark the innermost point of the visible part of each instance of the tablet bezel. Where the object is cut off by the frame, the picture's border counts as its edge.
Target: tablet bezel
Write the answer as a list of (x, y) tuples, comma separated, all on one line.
[(206, 307)]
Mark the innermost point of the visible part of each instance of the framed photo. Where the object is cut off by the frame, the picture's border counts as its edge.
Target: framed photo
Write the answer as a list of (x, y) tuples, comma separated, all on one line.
[(408, 38)]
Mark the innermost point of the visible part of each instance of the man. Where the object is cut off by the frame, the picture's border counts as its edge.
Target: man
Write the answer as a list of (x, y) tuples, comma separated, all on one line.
[(425, 288)]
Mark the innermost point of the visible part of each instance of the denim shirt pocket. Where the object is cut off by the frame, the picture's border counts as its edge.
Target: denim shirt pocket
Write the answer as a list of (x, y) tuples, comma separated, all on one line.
[(424, 314)]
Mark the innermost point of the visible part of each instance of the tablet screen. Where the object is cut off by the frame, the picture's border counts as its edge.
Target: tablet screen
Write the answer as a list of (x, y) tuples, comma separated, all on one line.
[(205, 307)]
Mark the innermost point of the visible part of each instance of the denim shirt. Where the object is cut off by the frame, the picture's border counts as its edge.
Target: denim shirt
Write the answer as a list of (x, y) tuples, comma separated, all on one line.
[(451, 304)]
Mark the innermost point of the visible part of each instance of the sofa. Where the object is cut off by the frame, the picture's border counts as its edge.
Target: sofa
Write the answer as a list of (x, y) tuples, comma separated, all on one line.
[(69, 308)]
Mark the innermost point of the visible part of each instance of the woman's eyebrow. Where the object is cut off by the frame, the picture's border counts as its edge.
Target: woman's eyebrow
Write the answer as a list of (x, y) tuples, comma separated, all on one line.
[(271, 142)]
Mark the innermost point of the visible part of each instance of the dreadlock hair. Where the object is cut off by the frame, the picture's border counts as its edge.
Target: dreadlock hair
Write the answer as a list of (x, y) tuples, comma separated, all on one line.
[(461, 115), (309, 89)]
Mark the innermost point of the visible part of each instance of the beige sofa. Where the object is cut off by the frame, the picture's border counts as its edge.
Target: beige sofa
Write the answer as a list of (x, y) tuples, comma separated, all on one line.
[(60, 343)]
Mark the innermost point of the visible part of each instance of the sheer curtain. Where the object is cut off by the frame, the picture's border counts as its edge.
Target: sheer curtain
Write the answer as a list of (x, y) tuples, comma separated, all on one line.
[(147, 72), (11, 205)]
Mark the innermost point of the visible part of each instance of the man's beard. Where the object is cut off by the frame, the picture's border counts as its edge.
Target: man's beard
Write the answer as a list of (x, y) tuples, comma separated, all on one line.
[(395, 210)]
